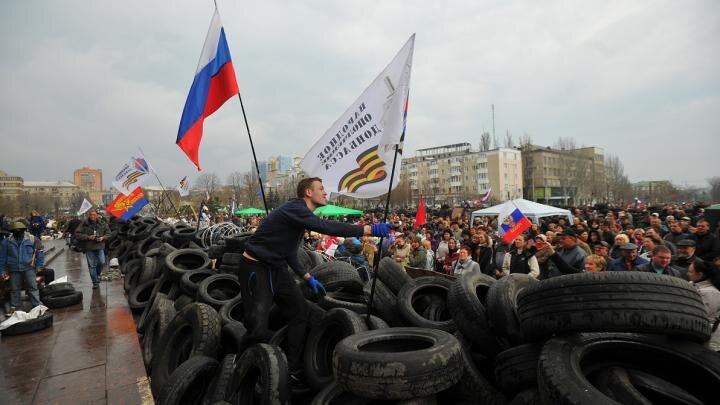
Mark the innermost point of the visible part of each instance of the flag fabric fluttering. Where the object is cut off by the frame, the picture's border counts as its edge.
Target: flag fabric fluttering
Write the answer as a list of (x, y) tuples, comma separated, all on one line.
[(84, 207), (354, 157), (487, 195), (213, 85), (132, 175), (512, 224), (184, 187), (125, 206), (420, 218)]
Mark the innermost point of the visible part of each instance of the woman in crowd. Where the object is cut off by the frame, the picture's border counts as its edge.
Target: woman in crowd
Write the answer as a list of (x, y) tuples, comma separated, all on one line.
[(595, 263), (620, 240), (464, 263), (451, 257), (706, 279), (429, 254), (483, 253), (648, 244)]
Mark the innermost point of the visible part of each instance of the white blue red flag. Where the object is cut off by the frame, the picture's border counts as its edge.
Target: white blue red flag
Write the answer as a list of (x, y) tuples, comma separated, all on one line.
[(487, 195), (213, 85), (512, 225), (184, 187)]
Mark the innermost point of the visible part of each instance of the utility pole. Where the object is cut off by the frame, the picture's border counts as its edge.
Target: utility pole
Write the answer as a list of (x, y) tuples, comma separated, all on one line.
[(493, 120)]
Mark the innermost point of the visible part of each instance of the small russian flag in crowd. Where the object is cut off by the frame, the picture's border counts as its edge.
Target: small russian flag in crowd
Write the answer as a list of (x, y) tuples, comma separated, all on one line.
[(513, 225), (213, 85)]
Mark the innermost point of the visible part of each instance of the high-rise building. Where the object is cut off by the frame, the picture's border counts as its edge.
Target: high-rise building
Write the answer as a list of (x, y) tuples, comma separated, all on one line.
[(90, 181), (454, 173)]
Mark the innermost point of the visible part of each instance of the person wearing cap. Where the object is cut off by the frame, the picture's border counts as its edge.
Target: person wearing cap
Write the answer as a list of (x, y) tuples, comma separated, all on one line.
[(628, 259), (20, 255), (660, 263), (567, 259), (91, 234), (602, 248), (418, 255), (707, 245), (685, 255)]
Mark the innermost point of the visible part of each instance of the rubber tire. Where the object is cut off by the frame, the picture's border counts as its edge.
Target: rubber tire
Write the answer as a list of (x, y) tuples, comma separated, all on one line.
[(339, 299), (415, 297), (162, 286), (466, 302), (219, 386), (232, 311), (339, 276), (236, 243), (141, 295), (182, 301), (516, 368), (190, 280), (63, 299), (51, 289), (188, 384), (530, 396), (392, 274), (269, 365), (162, 313), (561, 379), (396, 371), (232, 338), (181, 261), (336, 324), (613, 301), (374, 323), (198, 323), (473, 387), (385, 304), (226, 284), (44, 321), (502, 306)]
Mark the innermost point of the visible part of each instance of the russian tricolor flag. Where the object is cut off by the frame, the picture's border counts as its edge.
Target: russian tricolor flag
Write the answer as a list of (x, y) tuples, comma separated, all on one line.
[(213, 85), (513, 225)]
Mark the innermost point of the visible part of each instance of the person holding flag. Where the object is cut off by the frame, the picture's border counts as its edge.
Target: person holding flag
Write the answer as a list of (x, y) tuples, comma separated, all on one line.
[(263, 270)]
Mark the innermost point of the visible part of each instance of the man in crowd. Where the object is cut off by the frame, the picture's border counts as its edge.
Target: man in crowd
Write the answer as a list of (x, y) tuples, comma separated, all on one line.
[(520, 259), (660, 263), (676, 233), (20, 255), (263, 271), (628, 259), (91, 234), (400, 251), (418, 254), (569, 257), (685, 255), (707, 245)]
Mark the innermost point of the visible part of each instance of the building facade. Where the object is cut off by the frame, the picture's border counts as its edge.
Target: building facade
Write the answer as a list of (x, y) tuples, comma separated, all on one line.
[(62, 194), (10, 186), (567, 177), (454, 173), (90, 181)]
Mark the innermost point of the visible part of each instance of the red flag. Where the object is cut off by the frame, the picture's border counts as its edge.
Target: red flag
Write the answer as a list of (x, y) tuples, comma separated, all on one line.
[(420, 216)]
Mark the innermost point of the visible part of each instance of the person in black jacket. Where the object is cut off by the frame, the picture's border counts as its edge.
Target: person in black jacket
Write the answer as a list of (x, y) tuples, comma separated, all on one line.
[(264, 275)]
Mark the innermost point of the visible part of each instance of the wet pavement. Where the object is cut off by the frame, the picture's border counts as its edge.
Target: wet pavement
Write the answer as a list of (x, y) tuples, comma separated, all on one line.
[(91, 354)]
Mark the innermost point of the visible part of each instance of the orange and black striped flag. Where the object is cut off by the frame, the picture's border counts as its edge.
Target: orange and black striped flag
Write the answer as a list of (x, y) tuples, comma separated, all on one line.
[(371, 170)]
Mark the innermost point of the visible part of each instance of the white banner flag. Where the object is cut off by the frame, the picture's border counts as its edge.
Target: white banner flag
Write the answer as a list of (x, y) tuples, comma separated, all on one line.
[(184, 187), (85, 207), (133, 174), (354, 157)]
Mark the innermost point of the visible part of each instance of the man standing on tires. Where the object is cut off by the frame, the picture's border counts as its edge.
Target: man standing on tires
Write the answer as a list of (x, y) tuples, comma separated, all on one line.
[(263, 270), (20, 254), (91, 235)]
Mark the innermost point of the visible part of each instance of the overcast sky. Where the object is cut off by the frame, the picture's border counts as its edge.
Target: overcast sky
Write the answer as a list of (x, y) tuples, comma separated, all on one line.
[(84, 83)]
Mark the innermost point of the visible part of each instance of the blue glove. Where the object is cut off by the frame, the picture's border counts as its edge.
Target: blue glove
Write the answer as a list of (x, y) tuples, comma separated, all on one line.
[(316, 286), (381, 230)]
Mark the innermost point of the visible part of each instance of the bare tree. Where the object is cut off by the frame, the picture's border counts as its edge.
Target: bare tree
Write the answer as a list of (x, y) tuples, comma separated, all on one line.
[(528, 166), (250, 193), (208, 183), (509, 141), (619, 188), (714, 188), (485, 142)]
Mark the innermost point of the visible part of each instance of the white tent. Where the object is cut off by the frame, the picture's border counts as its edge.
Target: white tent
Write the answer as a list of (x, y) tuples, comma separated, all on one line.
[(534, 211)]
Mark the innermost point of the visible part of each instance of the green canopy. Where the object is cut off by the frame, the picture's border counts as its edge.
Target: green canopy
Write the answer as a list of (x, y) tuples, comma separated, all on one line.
[(336, 211), (249, 211)]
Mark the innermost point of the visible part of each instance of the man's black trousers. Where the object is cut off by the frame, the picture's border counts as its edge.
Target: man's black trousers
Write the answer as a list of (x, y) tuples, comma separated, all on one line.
[(260, 285)]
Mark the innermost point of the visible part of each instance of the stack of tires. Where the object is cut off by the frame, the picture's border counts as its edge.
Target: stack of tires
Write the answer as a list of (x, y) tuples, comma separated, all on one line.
[(585, 338), (60, 295)]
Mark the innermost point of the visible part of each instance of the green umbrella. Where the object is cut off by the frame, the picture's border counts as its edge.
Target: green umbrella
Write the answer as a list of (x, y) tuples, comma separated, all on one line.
[(336, 211), (249, 211)]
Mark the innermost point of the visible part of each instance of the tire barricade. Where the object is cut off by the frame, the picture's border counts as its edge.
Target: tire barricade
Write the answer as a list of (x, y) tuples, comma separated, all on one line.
[(591, 338)]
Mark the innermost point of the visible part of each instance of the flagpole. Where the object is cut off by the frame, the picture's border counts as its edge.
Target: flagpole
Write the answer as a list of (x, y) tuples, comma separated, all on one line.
[(252, 147), (380, 252), (162, 196)]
